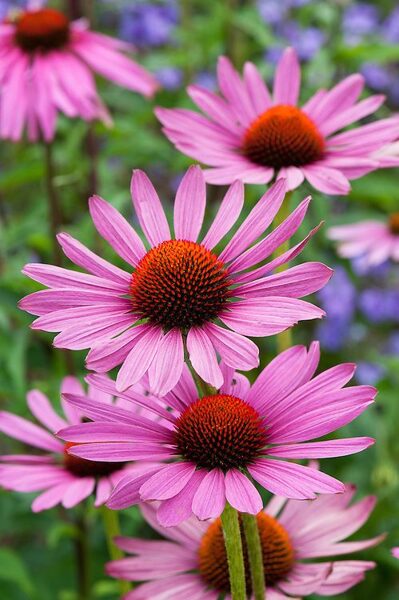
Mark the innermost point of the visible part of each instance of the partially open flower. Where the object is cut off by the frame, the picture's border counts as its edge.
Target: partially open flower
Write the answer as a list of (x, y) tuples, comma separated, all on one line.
[(217, 445), (192, 562), (182, 292)]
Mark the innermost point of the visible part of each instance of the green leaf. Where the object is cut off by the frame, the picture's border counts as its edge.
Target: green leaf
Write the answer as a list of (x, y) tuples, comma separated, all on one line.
[(13, 569)]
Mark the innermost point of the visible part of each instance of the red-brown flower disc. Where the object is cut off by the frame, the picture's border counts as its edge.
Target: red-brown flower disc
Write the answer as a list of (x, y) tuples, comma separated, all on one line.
[(277, 550), (45, 29), (88, 468), (179, 284), (283, 136), (220, 431)]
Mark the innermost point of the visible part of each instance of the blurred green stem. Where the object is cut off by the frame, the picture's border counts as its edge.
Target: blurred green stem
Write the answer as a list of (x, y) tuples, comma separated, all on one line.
[(54, 206), (255, 555), (283, 339), (235, 559), (82, 557), (112, 530)]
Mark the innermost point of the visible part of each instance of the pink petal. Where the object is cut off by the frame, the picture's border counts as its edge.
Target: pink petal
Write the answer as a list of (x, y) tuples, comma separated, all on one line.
[(116, 231), (256, 88), (287, 79), (203, 357), (127, 491), (139, 358), (103, 492), (41, 408), (241, 493), (50, 497), (236, 350), (292, 480), (28, 433), (328, 448), (326, 180), (85, 258), (209, 500), (149, 209), (257, 221), (78, 491), (227, 215), (190, 205), (168, 481), (175, 510), (167, 366)]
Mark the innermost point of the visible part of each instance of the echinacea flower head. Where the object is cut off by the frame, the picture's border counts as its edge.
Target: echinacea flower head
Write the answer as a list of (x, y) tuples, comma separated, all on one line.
[(180, 293), (47, 65), (191, 561), (59, 476), (249, 134), (217, 445), (373, 242)]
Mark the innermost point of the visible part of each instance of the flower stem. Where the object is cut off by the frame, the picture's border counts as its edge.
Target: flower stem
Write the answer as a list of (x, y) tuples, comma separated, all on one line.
[(54, 207), (255, 555), (82, 558), (232, 539), (112, 530), (283, 339)]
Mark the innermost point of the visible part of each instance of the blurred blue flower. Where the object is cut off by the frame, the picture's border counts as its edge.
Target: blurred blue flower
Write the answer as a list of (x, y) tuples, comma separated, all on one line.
[(338, 299), (273, 54), (379, 305), (171, 78), (6, 7), (359, 20), (207, 80), (307, 42), (361, 268), (393, 343), (376, 76), (390, 27), (148, 24), (272, 11), (368, 373)]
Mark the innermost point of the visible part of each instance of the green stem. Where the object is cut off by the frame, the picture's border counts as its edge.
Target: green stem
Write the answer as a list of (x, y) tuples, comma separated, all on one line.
[(255, 555), (233, 543), (283, 339), (54, 206), (112, 530), (82, 558)]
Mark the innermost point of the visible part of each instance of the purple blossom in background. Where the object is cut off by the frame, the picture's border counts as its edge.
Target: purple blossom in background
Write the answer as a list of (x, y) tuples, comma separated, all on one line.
[(171, 78), (390, 28), (361, 268), (272, 11), (379, 305), (359, 20), (6, 7), (307, 42), (148, 24), (338, 300), (368, 373), (207, 80), (273, 54), (376, 76), (393, 344)]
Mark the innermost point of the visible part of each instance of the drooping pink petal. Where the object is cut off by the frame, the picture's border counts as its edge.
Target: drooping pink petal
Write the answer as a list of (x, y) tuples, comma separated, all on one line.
[(168, 481), (293, 480), (203, 357), (77, 491), (139, 358), (241, 493), (328, 448), (175, 510), (235, 350), (167, 366), (28, 433), (210, 498)]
